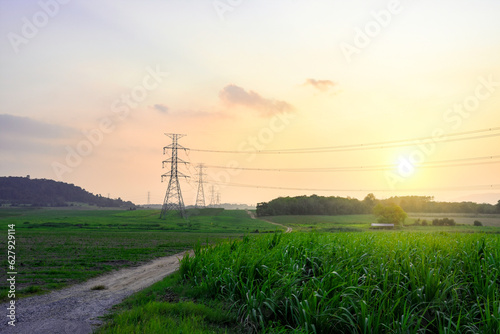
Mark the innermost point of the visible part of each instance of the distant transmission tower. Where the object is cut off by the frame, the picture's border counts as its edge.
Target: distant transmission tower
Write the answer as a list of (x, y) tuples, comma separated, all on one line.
[(217, 203), (200, 196), (173, 197), (149, 193), (212, 197)]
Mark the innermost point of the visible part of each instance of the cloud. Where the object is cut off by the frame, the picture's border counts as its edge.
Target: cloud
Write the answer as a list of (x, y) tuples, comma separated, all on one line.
[(160, 107), (201, 114), (27, 127), (322, 85), (26, 138), (236, 96)]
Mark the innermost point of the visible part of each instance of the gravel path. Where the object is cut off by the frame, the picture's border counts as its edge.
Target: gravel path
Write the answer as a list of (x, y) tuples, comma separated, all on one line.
[(74, 310)]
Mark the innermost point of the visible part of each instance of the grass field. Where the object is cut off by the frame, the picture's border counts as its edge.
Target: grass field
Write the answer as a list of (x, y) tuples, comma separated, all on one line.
[(57, 247), (399, 282), (358, 223), (405, 281), (201, 221), (465, 219), (170, 307), (352, 223)]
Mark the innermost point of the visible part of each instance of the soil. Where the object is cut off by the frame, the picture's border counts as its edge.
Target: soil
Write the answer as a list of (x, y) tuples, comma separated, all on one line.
[(76, 309)]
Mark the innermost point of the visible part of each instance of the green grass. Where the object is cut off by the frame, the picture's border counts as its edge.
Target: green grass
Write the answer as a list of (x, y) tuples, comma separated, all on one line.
[(58, 247), (370, 282), (158, 317), (358, 223), (169, 307), (200, 221), (492, 220), (356, 282), (306, 223)]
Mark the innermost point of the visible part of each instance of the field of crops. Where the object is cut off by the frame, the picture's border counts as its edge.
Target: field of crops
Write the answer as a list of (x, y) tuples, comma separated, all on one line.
[(466, 219), (370, 282), (358, 223), (57, 247)]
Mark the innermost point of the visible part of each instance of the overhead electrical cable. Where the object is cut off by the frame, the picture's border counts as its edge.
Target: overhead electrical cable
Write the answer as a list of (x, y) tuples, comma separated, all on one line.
[(432, 164), (460, 188), (367, 146)]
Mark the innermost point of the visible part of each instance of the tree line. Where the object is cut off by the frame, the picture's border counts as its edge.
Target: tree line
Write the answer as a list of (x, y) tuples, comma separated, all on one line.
[(321, 205)]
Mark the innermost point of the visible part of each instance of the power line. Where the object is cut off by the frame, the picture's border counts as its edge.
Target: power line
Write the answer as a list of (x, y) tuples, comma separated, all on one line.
[(367, 146), (472, 187), (369, 168)]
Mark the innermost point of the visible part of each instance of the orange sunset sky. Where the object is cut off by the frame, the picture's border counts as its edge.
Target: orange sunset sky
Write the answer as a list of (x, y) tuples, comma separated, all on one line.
[(287, 97)]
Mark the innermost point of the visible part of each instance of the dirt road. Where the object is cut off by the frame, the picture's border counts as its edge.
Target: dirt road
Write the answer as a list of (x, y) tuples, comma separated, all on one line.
[(74, 310), (252, 215)]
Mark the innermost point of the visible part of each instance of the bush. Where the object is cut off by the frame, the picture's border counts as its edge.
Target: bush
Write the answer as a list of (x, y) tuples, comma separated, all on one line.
[(477, 223), (424, 222), (444, 222)]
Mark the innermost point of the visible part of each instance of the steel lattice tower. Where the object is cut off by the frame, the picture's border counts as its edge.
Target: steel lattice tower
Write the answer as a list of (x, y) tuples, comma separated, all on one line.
[(173, 197), (212, 197), (200, 196)]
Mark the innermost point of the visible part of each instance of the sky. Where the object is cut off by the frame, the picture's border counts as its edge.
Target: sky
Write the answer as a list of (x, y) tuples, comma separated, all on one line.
[(281, 98)]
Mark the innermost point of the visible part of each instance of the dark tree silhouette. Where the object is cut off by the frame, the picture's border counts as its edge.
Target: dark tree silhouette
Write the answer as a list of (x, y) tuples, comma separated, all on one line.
[(42, 192)]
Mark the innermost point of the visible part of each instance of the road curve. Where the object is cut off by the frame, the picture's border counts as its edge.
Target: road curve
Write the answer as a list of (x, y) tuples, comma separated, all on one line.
[(252, 215)]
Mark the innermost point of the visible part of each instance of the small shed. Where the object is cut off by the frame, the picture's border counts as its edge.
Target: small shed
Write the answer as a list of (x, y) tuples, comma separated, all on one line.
[(376, 225)]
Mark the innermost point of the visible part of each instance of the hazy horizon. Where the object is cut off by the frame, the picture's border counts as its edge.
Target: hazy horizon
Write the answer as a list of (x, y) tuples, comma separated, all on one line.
[(277, 99)]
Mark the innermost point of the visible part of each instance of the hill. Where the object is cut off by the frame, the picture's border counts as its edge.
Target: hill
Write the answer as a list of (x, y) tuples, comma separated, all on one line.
[(23, 191)]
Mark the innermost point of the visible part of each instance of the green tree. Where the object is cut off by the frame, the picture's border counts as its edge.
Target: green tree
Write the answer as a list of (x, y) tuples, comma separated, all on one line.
[(390, 214), (370, 201), (498, 206)]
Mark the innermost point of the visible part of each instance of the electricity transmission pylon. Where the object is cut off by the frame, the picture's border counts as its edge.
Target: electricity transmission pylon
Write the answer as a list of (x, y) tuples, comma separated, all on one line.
[(217, 203), (212, 197), (173, 196), (200, 196)]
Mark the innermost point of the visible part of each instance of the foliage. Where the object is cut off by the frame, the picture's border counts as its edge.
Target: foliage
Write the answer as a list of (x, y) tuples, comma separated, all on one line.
[(477, 223), (444, 222), (355, 283), (308, 205), (319, 205), (390, 214), (426, 204)]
